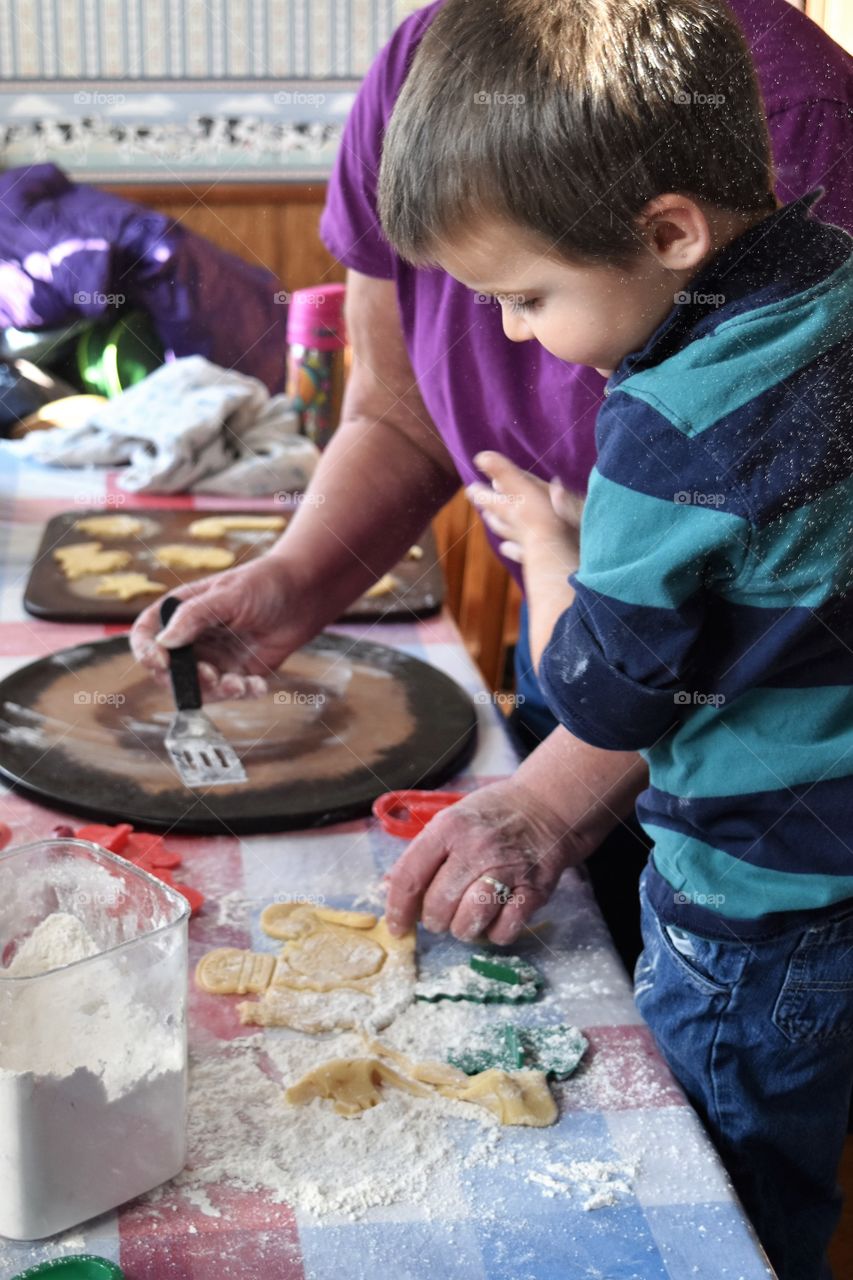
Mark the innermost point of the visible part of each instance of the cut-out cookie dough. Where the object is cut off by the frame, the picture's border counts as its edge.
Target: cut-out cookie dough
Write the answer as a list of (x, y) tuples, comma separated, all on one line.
[(111, 526), (386, 585), (336, 970), (124, 586), (355, 1084), (218, 526), (179, 555), (83, 558)]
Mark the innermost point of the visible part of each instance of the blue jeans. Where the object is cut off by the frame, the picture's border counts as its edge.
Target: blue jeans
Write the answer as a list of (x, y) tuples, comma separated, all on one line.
[(760, 1037)]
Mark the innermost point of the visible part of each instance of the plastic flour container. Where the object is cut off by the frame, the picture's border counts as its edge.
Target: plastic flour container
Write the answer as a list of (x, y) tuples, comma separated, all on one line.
[(93, 1052)]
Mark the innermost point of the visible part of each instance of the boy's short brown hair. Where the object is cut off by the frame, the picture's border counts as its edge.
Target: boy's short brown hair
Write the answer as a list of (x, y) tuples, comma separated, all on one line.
[(567, 117)]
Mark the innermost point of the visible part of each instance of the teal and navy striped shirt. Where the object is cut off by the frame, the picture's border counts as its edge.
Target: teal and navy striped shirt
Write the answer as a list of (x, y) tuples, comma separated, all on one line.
[(713, 622)]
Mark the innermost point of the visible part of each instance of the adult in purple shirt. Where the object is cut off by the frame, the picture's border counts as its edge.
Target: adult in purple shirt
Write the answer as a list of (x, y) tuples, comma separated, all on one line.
[(434, 381)]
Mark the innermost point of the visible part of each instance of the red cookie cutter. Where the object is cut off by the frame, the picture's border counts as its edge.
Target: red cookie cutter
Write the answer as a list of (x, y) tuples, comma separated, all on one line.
[(142, 849), (406, 813)]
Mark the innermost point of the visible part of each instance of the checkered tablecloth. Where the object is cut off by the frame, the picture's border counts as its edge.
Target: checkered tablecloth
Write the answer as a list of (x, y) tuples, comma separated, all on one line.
[(679, 1218)]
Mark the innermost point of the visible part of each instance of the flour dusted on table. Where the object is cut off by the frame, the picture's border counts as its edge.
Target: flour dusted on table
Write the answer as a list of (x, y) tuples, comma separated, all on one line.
[(241, 1131), (597, 1183)]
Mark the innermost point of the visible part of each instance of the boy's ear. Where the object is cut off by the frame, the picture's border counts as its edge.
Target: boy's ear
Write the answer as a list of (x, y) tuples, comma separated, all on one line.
[(676, 230)]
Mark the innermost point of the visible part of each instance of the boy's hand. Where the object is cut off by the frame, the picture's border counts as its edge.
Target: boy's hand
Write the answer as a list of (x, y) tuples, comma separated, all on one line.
[(525, 511)]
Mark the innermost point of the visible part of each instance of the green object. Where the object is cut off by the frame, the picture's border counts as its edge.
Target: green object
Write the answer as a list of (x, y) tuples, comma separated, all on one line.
[(119, 353), (504, 968), (468, 982), (556, 1050), (85, 1266)]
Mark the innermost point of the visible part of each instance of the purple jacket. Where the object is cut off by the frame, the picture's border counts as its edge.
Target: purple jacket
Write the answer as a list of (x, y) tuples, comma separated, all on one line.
[(71, 251)]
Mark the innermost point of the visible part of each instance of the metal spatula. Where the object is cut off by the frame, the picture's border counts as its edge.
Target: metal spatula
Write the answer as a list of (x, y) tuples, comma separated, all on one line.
[(198, 750)]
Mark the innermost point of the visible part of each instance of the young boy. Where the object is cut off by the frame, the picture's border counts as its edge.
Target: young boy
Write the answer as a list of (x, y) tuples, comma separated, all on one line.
[(602, 168)]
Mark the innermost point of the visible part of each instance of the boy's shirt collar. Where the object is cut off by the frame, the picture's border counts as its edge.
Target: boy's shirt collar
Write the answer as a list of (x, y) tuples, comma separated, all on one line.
[(783, 254)]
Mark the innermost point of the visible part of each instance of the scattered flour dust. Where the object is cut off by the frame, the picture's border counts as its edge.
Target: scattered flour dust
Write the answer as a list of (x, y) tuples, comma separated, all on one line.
[(406, 1150), (600, 1182), (233, 909), (242, 1131)]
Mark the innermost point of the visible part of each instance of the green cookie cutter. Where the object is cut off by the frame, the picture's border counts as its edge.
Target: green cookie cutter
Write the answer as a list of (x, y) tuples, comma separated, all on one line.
[(85, 1266), (485, 980), (557, 1050)]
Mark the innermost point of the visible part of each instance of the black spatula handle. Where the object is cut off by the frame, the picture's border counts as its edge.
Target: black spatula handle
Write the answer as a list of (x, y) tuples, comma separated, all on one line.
[(182, 665)]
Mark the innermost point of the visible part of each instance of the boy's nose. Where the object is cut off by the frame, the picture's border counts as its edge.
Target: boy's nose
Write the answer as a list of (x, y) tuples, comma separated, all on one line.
[(515, 326)]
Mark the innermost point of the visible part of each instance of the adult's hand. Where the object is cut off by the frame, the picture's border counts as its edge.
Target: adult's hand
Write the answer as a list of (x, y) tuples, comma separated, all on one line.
[(382, 478), (452, 873), (523, 833), (242, 623)]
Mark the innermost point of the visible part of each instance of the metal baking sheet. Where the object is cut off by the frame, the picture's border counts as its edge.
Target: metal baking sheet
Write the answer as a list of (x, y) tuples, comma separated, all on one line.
[(49, 594)]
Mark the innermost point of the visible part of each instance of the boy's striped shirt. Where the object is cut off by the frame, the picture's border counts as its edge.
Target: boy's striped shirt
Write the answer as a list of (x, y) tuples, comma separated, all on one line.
[(713, 623)]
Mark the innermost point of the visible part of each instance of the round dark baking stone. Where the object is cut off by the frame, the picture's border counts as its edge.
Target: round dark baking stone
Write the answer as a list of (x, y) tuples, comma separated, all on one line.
[(443, 741)]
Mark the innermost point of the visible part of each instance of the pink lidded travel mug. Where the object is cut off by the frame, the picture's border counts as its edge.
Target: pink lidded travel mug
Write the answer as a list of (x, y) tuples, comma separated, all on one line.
[(316, 339)]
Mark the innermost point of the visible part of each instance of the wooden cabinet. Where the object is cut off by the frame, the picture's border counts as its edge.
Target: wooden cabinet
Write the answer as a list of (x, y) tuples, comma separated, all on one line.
[(271, 224)]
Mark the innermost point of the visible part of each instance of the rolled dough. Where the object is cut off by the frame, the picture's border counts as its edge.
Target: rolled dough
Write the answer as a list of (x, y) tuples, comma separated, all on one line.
[(111, 526), (82, 558), (355, 1084), (124, 586), (386, 585), (336, 969), (219, 526), (179, 555)]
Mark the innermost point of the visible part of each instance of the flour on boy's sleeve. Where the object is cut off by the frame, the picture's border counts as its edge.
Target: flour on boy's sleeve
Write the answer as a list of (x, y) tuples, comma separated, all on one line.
[(622, 658)]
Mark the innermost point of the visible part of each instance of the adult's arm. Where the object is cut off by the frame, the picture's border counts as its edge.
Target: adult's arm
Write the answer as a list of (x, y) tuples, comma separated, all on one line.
[(524, 832), (383, 476)]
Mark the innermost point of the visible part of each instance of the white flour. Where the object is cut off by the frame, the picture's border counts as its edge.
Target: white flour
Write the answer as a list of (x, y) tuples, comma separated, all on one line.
[(405, 1151), (59, 939), (91, 1085), (241, 1131), (600, 1183)]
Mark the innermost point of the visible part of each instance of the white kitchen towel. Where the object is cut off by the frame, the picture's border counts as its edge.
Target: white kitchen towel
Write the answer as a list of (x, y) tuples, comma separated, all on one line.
[(189, 426)]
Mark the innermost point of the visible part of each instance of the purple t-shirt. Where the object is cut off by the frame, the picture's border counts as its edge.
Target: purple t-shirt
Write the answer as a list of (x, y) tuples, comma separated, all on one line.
[(484, 391)]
